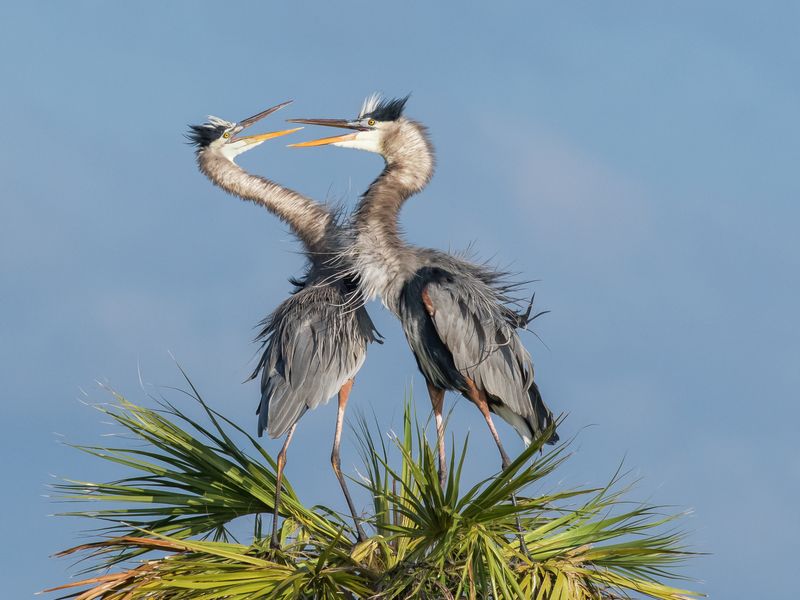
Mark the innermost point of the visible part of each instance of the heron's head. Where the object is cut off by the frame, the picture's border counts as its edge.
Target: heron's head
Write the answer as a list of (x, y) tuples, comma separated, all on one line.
[(379, 127), (222, 137)]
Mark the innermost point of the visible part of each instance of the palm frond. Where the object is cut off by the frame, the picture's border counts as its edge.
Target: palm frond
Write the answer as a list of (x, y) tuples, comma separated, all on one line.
[(165, 533), (188, 480)]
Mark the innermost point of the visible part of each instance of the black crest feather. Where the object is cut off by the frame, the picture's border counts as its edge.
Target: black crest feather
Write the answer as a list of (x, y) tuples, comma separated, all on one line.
[(202, 135), (384, 109)]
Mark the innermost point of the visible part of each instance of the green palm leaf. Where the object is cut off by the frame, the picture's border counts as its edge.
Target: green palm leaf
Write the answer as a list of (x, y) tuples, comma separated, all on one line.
[(165, 532)]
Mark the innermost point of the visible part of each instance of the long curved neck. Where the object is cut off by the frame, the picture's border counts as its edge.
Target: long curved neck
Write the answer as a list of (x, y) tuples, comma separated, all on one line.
[(384, 258), (309, 220)]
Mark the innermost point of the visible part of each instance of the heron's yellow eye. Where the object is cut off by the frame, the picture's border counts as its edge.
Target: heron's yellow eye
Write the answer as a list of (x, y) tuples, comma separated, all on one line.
[(226, 135), (371, 122)]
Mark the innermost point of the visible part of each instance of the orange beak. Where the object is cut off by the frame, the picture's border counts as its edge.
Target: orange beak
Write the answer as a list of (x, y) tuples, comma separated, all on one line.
[(324, 141), (261, 137)]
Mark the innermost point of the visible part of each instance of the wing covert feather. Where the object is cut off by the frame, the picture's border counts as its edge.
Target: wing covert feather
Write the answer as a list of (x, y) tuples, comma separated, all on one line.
[(483, 344)]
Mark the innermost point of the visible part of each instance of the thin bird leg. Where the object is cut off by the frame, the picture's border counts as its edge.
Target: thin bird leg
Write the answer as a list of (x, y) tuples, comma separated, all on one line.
[(437, 400), (278, 481), (479, 398), (344, 394)]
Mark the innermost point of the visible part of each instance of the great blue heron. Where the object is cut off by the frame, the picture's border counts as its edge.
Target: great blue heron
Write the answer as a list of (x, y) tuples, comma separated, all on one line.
[(456, 315), (314, 343)]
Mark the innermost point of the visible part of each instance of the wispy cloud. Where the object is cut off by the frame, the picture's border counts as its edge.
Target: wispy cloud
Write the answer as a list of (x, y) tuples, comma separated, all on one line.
[(571, 198)]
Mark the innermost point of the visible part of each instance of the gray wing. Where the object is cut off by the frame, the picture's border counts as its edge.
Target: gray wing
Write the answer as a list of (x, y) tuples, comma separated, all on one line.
[(487, 349), (313, 346), (489, 284)]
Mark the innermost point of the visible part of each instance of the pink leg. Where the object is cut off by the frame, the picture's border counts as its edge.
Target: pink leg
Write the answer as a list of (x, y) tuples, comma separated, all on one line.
[(336, 462), (278, 481), (437, 400), (478, 397)]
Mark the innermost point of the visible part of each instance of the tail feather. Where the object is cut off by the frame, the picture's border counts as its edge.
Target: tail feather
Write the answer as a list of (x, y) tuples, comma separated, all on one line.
[(541, 418), (276, 411), (533, 425)]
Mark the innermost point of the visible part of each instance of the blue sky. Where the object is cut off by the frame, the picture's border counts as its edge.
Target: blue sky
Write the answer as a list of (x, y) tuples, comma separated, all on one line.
[(638, 159)]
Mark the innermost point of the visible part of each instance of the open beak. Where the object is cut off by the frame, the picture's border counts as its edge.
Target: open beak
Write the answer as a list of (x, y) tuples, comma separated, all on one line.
[(262, 137), (255, 139), (325, 141), (245, 123), (342, 123)]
